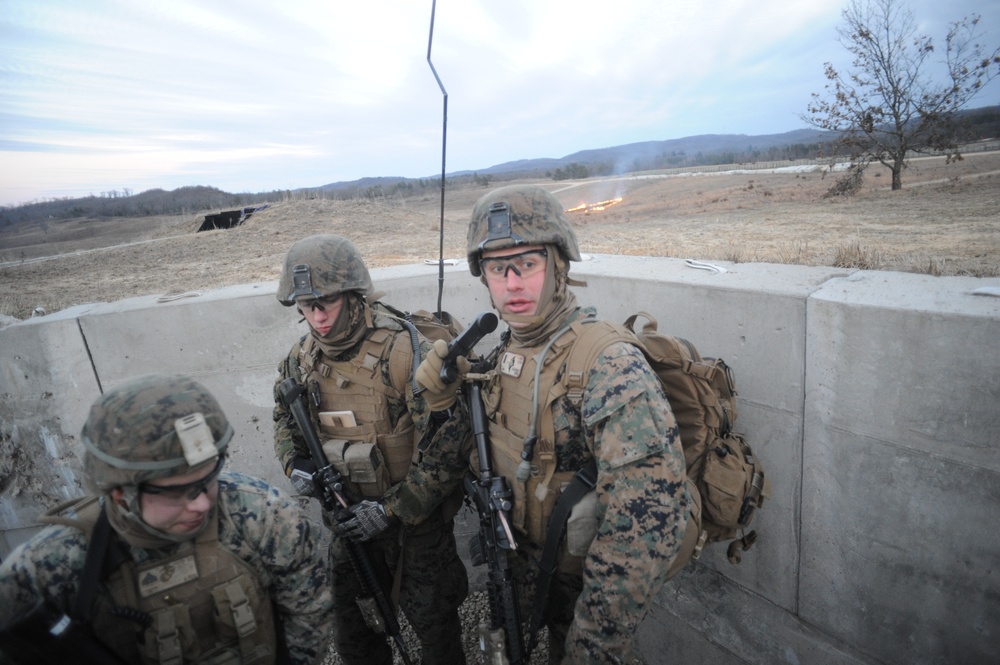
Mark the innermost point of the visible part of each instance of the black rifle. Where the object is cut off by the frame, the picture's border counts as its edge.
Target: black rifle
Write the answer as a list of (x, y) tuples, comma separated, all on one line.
[(375, 605), (501, 642)]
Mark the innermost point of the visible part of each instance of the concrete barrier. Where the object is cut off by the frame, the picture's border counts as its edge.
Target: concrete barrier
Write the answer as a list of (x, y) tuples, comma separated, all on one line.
[(873, 399)]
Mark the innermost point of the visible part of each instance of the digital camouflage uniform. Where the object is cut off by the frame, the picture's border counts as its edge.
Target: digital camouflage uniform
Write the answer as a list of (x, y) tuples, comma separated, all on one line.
[(419, 550), (625, 423), (258, 524), (621, 419)]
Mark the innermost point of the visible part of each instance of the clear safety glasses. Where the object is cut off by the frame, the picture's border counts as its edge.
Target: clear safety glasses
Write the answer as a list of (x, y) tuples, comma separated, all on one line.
[(523, 265), (188, 491)]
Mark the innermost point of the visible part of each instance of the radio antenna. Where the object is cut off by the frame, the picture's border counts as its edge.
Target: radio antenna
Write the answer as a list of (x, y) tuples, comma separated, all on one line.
[(444, 152)]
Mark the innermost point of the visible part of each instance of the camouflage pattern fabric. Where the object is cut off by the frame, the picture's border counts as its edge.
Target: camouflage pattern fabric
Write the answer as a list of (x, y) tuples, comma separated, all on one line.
[(625, 422), (429, 558), (441, 446), (433, 585), (258, 523), (130, 431), (535, 218), (333, 264)]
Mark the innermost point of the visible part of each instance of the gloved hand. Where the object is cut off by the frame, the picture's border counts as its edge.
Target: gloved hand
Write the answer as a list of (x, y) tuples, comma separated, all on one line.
[(440, 397), (301, 475), (364, 521)]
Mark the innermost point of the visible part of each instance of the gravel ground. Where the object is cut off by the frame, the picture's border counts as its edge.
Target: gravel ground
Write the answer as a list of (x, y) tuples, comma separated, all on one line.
[(473, 611)]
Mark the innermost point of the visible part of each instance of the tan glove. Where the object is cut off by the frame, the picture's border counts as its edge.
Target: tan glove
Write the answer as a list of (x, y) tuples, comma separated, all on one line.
[(439, 396)]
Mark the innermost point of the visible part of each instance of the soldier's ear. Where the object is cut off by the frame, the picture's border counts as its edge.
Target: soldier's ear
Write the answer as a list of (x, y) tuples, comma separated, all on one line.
[(118, 497)]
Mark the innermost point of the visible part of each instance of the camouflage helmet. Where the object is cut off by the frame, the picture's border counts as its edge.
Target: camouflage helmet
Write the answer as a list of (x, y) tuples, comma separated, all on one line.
[(320, 266), (152, 427), (519, 215)]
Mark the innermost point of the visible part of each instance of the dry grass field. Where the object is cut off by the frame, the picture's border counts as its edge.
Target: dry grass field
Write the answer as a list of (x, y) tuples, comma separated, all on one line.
[(946, 221)]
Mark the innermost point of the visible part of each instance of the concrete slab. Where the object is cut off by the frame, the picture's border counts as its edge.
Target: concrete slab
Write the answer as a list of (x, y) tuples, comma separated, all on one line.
[(703, 617), (871, 397), (881, 347), (48, 385), (753, 316), (901, 468)]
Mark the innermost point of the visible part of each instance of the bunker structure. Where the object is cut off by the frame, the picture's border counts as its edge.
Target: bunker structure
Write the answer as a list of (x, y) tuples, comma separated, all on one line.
[(228, 219), (872, 398)]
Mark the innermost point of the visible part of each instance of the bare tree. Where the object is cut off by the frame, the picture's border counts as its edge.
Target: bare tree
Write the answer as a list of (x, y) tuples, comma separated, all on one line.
[(889, 104)]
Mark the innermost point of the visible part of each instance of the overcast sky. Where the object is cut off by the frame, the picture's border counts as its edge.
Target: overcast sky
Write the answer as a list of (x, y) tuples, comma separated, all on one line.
[(256, 95)]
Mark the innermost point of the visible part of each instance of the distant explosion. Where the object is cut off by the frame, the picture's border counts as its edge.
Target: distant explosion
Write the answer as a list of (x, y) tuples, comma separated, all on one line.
[(587, 208)]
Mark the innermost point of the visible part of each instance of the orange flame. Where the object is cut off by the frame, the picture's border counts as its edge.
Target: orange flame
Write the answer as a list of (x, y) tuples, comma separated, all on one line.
[(587, 208)]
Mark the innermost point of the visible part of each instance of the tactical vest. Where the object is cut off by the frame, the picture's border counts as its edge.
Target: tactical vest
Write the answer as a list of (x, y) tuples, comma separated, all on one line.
[(509, 402), (372, 454), (206, 604)]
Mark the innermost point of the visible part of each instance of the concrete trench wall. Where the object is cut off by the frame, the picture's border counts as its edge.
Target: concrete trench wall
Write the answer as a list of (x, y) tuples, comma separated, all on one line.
[(873, 399)]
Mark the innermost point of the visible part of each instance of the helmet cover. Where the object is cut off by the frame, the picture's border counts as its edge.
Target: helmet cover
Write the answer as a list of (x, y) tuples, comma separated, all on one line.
[(320, 266), (519, 215), (151, 427)]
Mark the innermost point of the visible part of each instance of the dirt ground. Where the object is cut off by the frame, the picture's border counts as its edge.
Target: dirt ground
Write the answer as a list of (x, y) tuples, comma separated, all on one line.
[(946, 221)]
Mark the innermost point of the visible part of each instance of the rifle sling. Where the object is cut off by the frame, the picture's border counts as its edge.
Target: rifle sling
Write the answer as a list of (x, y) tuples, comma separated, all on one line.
[(100, 537), (583, 481)]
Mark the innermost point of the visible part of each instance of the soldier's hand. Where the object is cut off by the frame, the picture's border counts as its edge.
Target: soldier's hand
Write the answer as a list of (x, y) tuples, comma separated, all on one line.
[(364, 521), (439, 395), (302, 470)]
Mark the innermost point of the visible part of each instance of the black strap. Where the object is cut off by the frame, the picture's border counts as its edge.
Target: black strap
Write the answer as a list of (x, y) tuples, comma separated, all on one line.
[(100, 536), (583, 482)]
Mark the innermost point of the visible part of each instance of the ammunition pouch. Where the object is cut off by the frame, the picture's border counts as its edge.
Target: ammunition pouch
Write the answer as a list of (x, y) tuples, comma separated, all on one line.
[(361, 465)]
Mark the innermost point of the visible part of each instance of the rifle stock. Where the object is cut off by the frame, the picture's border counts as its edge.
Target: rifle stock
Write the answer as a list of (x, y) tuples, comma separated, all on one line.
[(378, 611)]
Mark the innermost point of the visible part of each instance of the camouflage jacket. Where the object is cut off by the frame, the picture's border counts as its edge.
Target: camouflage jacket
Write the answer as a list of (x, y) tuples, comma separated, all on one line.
[(624, 421), (440, 444), (263, 528)]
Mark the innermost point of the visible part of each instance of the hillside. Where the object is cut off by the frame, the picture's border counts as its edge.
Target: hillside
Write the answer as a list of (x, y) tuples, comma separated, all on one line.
[(691, 151), (944, 222)]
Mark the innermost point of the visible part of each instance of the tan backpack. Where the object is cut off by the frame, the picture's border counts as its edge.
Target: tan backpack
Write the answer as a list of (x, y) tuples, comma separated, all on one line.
[(702, 395)]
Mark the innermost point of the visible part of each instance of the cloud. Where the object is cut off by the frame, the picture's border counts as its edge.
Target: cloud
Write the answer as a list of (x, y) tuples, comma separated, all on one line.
[(108, 95)]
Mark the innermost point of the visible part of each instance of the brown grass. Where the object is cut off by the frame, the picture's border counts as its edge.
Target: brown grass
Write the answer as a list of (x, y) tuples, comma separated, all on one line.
[(946, 221)]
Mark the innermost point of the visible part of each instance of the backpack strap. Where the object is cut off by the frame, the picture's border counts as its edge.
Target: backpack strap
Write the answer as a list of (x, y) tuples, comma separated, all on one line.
[(593, 339), (97, 548), (404, 319), (583, 482)]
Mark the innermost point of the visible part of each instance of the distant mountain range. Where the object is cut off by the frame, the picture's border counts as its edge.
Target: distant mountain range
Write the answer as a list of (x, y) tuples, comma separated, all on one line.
[(703, 144), (705, 149), (648, 155), (623, 158)]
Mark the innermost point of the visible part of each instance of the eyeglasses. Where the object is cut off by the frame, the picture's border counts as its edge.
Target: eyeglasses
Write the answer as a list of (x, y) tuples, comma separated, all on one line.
[(187, 492), (320, 303), (524, 265)]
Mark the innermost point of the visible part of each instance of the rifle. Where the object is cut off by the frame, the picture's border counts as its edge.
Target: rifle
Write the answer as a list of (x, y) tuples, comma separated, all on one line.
[(379, 613), (501, 641)]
